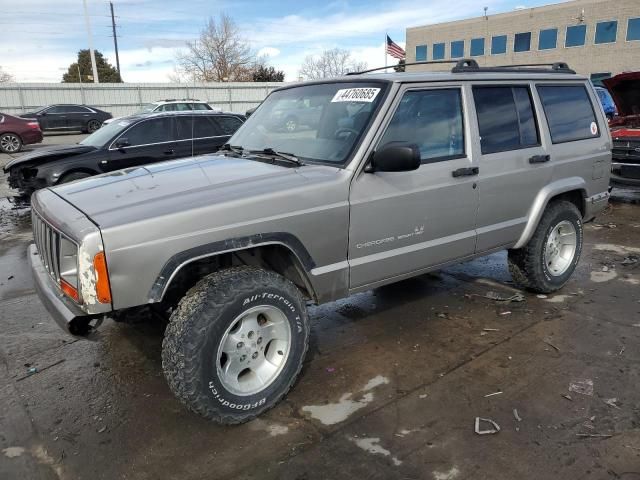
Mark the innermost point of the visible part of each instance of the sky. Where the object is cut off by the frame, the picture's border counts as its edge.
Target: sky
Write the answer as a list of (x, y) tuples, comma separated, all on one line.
[(40, 38)]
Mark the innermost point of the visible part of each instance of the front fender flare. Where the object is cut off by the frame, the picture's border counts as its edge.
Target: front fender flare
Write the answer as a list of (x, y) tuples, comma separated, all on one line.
[(542, 199), (179, 260)]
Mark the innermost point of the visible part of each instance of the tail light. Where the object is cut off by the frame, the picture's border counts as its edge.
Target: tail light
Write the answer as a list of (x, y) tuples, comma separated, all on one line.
[(33, 125)]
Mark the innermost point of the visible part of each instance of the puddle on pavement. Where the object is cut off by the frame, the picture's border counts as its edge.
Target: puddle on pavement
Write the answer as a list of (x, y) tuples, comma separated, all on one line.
[(15, 216), (333, 413), (372, 445)]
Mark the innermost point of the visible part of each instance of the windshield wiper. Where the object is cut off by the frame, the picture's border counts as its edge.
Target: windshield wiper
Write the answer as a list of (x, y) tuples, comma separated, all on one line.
[(281, 155)]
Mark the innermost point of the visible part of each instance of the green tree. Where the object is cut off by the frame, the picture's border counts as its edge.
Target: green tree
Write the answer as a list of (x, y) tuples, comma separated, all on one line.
[(106, 72), (267, 74)]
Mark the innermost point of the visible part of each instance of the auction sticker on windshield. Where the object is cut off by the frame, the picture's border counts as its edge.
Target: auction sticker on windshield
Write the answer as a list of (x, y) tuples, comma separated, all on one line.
[(356, 95)]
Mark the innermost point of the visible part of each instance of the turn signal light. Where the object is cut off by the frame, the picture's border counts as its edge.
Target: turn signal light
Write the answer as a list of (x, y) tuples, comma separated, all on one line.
[(103, 290), (69, 290)]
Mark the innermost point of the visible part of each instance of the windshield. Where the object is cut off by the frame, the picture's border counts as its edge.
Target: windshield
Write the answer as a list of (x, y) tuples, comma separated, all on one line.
[(146, 108), (313, 122), (101, 136)]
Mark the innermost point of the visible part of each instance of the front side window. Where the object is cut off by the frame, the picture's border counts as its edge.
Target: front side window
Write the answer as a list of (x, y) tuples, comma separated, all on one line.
[(606, 32), (457, 49), (569, 112), (321, 123), (431, 119), (147, 132), (548, 39), (77, 109), (505, 118), (522, 42), (477, 47), (499, 45), (421, 53), (438, 51), (576, 36)]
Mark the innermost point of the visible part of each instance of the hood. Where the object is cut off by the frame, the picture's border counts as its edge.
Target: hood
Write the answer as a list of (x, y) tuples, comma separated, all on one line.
[(163, 189), (625, 90), (41, 155)]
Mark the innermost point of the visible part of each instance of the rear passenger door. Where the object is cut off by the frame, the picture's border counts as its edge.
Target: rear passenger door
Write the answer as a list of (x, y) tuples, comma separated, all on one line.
[(404, 222), (514, 164)]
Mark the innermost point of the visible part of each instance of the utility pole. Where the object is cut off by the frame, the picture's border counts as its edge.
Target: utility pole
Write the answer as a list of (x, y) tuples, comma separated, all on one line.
[(115, 40), (93, 55)]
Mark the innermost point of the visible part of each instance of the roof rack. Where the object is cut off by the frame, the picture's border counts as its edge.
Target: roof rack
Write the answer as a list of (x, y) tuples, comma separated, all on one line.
[(470, 65)]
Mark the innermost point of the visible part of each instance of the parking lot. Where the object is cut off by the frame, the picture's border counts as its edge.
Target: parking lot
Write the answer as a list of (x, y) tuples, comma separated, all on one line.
[(391, 388)]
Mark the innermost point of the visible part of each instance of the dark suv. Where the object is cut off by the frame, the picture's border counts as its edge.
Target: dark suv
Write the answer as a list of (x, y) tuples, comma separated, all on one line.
[(127, 142)]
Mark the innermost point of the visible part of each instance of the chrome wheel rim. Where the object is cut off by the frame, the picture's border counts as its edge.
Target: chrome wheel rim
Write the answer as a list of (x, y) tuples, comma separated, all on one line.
[(290, 125), (560, 248), (10, 143), (93, 125), (254, 350)]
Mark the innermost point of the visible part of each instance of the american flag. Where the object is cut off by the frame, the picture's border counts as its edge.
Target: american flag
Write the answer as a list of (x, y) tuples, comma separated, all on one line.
[(394, 49)]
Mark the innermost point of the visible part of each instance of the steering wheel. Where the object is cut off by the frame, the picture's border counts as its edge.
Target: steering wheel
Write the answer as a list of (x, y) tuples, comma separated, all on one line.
[(348, 130)]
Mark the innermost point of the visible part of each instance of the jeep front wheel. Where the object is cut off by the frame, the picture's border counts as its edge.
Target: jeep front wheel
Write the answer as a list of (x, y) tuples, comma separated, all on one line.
[(547, 261), (235, 344)]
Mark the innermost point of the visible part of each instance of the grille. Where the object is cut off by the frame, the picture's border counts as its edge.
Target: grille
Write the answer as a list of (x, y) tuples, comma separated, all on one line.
[(626, 151), (48, 242)]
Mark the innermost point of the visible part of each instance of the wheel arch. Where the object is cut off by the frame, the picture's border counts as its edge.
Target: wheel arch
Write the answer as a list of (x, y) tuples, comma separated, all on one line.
[(282, 253), (75, 170), (572, 189)]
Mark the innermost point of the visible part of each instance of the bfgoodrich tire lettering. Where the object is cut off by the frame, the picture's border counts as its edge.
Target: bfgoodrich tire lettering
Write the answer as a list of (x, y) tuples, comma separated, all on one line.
[(528, 266), (200, 324)]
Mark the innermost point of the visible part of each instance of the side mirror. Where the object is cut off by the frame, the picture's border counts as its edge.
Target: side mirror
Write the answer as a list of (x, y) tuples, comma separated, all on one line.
[(401, 157), (122, 142)]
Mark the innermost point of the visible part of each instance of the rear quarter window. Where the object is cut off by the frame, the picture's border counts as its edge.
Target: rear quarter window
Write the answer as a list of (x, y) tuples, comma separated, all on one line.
[(570, 114)]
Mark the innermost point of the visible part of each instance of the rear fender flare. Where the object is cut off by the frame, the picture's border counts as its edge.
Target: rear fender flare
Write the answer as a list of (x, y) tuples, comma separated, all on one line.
[(541, 201)]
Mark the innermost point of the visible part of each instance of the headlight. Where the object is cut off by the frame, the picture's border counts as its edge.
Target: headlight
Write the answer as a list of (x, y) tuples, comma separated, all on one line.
[(68, 261)]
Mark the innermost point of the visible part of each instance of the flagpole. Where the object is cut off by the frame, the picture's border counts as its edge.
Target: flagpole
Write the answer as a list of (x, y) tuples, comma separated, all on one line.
[(385, 50)]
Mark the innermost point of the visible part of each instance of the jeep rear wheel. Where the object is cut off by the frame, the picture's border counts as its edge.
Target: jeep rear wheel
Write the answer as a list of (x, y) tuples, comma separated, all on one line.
[(547, 261), (235, 344)]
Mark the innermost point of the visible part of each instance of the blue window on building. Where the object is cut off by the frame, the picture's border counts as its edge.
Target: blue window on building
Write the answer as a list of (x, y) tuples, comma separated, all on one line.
[(633, 29), (421, 53), (548, 39), (522, 42), (438, 51), (576, 36), (457, 49), (477, 47), (499, 45), (606, 32)]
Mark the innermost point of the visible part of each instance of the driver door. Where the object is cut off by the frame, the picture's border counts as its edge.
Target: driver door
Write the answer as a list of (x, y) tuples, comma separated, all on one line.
[(405, 222)]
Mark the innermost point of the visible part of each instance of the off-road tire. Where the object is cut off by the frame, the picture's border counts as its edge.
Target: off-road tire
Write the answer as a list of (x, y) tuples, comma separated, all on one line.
[(73, 176), (197, 326), (526, 264)]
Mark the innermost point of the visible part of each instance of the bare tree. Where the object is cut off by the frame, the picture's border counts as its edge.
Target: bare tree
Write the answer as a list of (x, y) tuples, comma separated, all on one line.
[(5, 77), (220, 54), (330, 63)]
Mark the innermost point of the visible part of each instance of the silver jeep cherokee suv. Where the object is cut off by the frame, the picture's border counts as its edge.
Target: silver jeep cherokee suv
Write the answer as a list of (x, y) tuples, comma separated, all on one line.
[(401, 174)]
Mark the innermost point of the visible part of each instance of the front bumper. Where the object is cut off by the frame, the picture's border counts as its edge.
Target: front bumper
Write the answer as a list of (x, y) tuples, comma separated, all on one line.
[(67, 315)]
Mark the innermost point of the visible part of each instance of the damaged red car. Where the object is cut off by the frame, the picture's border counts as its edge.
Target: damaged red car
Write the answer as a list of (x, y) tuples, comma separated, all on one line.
[(625, 129)]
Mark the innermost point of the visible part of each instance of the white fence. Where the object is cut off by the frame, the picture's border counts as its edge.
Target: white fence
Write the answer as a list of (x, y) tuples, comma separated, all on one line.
[(125, 98)]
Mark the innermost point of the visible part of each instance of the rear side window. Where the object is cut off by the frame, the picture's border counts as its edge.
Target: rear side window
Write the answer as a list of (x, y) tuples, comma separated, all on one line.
[(569, 112), (205, 127), (505, 118), (228, 125), (200, 106), (431, 119)]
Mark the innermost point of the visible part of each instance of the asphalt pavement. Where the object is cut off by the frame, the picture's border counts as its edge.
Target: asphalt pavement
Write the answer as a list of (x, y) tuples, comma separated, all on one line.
[(391, 388)]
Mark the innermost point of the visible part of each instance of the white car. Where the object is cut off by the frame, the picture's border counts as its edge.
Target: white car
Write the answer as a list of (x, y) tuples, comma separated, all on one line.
[(171, 105)]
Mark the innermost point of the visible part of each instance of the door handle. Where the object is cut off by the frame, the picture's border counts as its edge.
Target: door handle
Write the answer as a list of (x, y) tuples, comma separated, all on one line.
[(539, 158), (169, 152), (466, 172)]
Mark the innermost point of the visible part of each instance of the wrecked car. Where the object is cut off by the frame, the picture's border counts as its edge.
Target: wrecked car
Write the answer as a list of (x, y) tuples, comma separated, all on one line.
[(402, 174), (625, 129)]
